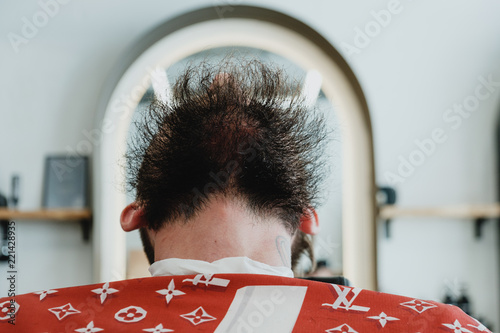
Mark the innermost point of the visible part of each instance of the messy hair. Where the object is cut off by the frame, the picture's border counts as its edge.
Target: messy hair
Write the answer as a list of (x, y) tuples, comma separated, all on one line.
[(234, 129)]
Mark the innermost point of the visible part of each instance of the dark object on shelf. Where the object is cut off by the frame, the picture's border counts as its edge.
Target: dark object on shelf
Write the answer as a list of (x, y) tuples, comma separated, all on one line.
[(3, 201), (3, 225), (478, 226), (15, 191), (448, 298), (66, 182), (463, 302), (388, 197)]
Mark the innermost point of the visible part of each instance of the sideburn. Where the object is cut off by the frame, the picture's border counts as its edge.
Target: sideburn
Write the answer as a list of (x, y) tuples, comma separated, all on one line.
[(147, 245)]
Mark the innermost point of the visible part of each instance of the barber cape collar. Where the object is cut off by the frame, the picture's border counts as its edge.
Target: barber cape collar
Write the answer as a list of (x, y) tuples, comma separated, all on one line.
[(233, 265), (227, 303)]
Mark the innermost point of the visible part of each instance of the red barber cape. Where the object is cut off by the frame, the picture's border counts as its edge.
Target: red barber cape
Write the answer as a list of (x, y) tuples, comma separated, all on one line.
[(226, 303)]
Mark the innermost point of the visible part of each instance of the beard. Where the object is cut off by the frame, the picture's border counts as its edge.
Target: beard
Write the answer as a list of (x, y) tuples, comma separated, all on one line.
[(147, 245)]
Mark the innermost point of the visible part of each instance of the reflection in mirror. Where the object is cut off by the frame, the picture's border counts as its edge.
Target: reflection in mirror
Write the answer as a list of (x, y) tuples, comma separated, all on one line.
[(328, 242)]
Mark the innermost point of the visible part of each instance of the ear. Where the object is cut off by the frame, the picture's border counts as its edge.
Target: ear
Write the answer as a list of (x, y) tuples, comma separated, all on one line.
[(132, 217), (309, 222)]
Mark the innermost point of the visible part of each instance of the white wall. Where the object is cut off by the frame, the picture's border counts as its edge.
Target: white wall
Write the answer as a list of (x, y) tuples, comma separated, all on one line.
[(428, 57), (424, 61), (50, 89)]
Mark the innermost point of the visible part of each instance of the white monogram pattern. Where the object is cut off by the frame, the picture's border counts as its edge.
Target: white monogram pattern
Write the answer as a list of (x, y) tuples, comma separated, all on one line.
[(227, 303)]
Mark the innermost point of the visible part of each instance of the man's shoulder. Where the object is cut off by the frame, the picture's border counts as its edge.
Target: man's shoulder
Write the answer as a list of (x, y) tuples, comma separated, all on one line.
[(230, 302)]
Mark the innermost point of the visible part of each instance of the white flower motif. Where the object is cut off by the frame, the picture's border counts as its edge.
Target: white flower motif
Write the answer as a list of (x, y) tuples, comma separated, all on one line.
[(383, 318), (6, 308), (63, 311), (418, 305), (170, 292), (344, 328), (104, 291), (209, 280), (44, 293), (131, 314), (457, 327), (158, 329), (89, 329), (198, 316), (480, 327)]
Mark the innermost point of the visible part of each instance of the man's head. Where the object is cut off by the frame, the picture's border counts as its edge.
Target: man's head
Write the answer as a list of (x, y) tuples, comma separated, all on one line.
[(234, 131)]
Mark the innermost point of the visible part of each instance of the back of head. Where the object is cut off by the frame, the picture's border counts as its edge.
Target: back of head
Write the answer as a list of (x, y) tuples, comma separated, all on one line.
[(237, 129)]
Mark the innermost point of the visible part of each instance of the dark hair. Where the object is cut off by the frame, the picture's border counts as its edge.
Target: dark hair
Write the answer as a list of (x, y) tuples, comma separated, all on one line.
[(236, 129)]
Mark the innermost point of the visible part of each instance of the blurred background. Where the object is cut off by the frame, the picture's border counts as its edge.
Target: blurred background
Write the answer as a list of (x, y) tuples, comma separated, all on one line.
[(430, 73)]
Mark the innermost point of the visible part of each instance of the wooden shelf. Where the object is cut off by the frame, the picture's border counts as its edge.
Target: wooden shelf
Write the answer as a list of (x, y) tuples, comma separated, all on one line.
[(84, 216), (457, 211), (477, 213), (46, 214)]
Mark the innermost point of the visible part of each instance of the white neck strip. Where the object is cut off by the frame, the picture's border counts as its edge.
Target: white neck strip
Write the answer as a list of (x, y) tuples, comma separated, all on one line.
[(233, 265)]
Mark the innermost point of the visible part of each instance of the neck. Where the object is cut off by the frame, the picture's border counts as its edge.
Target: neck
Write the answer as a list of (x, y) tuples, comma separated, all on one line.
[(224, 228)]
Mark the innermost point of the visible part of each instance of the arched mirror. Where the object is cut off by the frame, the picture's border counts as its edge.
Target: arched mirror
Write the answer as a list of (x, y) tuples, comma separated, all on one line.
[(347, 240)]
